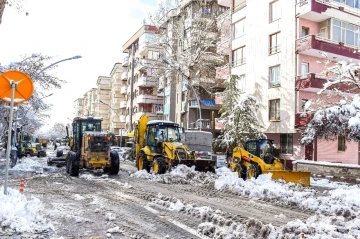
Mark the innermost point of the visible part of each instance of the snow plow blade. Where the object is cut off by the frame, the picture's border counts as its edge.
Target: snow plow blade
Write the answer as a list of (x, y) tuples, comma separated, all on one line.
[(57, 161), (300, 177), (200, 164)]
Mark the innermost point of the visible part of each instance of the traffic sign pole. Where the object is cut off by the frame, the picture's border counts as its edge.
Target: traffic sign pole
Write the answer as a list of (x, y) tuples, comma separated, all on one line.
[(8, 149)]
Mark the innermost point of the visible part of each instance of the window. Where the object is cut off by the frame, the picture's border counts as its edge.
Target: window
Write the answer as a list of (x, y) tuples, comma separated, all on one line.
[(239, 29), (241, 83), (341, 143), (350, 3), (275, 11), (238, 56), (304, 31), (274, 43), (183, 95), (303, 103), (238, 4), (286, 143), (153, 55), (274, 78), (340, 31), (274, 109), (304, 70)]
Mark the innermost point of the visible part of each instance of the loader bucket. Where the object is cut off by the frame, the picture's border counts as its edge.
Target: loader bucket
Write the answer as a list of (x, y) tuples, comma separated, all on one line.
[(300, 177)]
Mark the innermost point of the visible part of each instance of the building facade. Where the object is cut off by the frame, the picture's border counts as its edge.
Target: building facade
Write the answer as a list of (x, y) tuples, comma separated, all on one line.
[(103, 101), (78, 107)]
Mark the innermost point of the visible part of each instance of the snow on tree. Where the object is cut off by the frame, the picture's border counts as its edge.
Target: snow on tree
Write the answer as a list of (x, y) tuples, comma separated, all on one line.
[(339, 118), (239, 116), (187, 39), (58, 130), (33, 112)]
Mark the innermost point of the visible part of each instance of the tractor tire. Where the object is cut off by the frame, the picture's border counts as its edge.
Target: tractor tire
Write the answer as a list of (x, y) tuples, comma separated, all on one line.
[(73, 165), (253, 171), (241, 171), (115, 163), (159, 165), (67, 163), (143, 163)]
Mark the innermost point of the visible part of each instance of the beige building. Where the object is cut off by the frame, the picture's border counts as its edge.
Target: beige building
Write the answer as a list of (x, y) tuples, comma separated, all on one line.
[(89, 102), (78, 107), (103, 101), (142, 96), (117, 122)]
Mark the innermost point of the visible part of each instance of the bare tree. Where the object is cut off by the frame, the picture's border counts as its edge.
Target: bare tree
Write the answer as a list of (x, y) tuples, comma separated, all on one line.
[(17, 4), (188, 35)]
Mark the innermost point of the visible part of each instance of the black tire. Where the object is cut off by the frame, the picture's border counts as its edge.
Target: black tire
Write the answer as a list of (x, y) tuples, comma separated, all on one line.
[(145, 163), (253, 171), (241, 171), (159, 165), (67, 163), (73, 165), (115, 163)]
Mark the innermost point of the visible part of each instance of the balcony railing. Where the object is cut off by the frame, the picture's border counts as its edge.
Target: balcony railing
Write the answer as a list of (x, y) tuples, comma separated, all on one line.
[(218, 124), (148, 99), (312, 44), (124, 75), (123, 90), (125, 61), (203, 103), (238, 62), (146, 81), (123, 104)]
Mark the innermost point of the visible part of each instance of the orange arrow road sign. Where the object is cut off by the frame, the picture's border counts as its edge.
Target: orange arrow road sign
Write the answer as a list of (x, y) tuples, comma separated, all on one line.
[(24, 88)]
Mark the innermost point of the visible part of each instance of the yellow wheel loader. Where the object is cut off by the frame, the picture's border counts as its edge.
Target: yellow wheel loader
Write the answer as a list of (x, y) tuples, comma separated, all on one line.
[(257, 157), (158, 146), (90, 148)]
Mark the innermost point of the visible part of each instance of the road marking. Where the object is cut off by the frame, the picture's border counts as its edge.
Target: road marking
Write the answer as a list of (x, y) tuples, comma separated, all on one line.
[(176, 223)]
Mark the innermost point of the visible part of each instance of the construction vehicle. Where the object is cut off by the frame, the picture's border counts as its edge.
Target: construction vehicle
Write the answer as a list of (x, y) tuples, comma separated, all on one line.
[(30, 149), (257, 157), (90, 148), (158, 146)]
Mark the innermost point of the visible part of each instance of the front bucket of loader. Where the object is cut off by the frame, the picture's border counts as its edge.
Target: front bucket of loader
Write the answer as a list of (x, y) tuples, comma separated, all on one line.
[(300, 177)]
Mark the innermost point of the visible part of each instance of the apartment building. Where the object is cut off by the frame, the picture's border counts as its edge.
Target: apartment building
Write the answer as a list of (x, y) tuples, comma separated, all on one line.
[(78, 107), (141, 95), (279, 59), (89, 102), (117, 124), (103, 101), (181, 104)]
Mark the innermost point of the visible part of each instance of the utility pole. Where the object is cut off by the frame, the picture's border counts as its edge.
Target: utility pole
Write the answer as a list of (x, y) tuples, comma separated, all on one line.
[(132, 85)]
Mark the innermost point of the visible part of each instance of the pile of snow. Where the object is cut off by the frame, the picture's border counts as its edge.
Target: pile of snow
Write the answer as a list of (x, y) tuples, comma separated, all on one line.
[(33, 164), (179, 175), (19, 215), (105, 177)]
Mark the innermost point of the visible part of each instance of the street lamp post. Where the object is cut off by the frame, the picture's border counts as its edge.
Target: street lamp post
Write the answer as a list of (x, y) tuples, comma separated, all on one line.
[(192, 88), (102, 102)]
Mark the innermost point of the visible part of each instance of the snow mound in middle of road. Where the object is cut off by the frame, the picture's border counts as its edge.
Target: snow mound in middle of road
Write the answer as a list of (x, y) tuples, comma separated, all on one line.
[(180, 175), (20, 215), (32, 164)]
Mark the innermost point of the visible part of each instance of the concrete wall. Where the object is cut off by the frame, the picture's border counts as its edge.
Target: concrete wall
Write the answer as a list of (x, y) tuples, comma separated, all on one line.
[(328, 169)]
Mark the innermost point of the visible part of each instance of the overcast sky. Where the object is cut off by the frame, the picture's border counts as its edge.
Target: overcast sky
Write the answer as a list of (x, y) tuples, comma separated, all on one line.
[(94, 29)]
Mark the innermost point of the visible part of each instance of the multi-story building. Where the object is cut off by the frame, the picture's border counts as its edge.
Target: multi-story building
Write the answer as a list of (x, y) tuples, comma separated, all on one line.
[(78, 107), (279, 59), (181, 104), (118, 88), (142, 96), (103, 101), (89, 102)]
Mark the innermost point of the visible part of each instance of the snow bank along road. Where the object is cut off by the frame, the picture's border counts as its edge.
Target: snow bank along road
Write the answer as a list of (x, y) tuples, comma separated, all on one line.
[(183, 204)]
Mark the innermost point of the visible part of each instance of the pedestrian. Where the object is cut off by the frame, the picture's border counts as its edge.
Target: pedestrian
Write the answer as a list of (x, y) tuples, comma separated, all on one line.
[(228, 155)]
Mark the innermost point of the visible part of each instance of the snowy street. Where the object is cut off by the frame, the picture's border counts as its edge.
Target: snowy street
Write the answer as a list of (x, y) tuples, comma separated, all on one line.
[(180, 204)]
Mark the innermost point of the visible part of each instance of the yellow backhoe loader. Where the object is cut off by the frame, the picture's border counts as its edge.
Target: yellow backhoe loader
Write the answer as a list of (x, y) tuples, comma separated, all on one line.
[(158, 146), (257, 157)]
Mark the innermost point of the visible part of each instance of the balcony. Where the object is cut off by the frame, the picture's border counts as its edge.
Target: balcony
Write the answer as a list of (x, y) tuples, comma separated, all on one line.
[(315, 82), (125, 61), (116, 86), (151, 115), (148, 99), (320, 10), (146, 81), (123, 90), (143, 64), (124, 75), (313, 45), (223, 72), (223, 46), (122, 118), (203, 104), (123, 104), (218, 124), (302, 119)]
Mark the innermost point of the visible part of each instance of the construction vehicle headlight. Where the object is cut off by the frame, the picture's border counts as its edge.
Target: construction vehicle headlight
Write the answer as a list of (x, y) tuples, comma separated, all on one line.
[(236, 160)]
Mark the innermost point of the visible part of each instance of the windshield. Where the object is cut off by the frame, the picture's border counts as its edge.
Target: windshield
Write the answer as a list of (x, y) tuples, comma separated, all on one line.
[(168, 133)]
